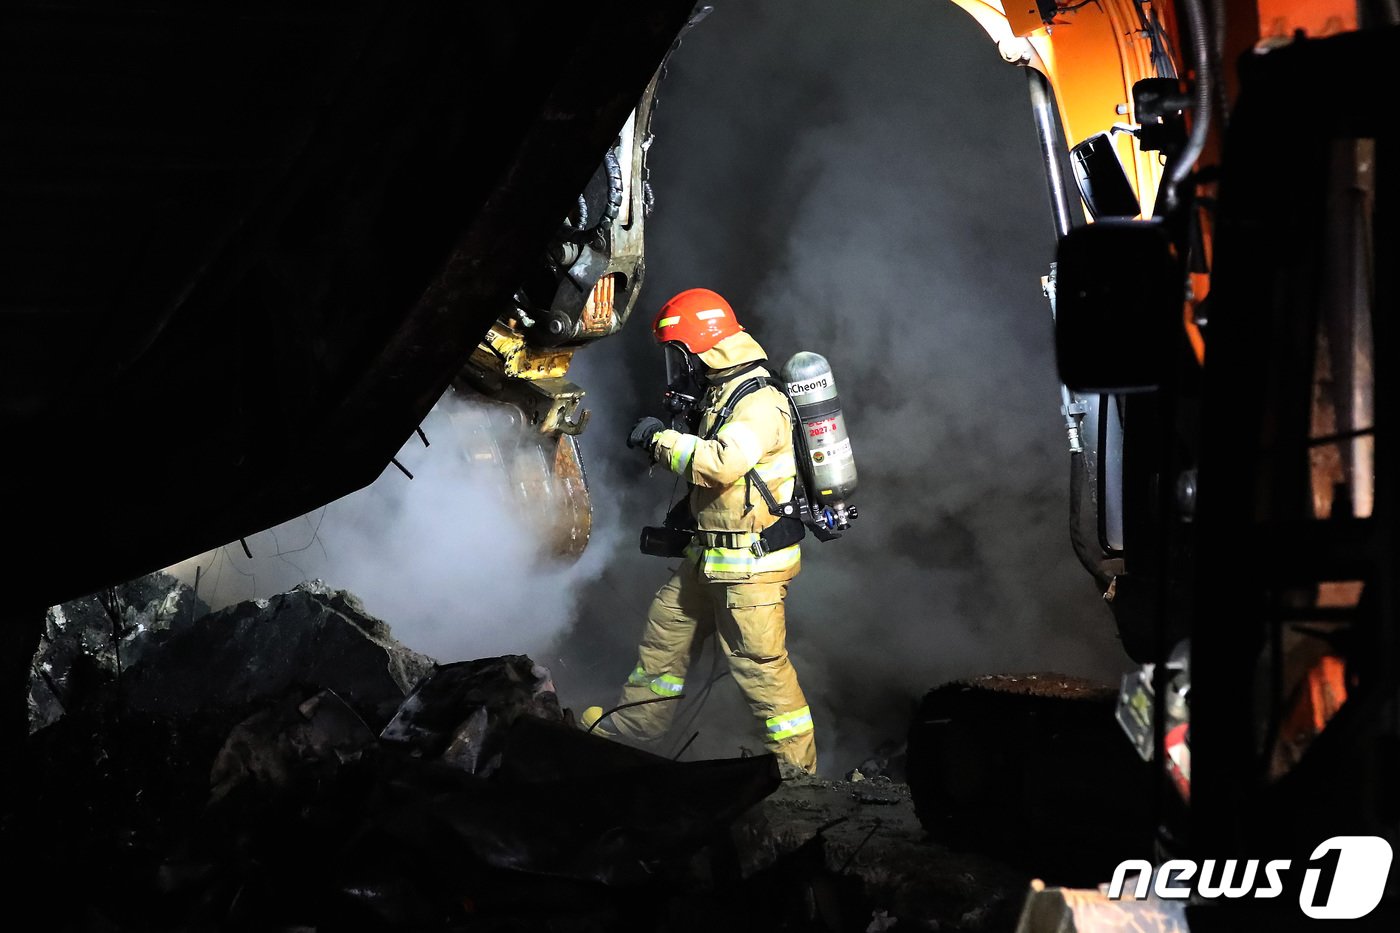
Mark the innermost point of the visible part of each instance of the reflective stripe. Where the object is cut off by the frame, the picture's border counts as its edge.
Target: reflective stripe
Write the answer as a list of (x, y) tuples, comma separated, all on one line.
[(667, 322), (709, 314), (725, 560), (667, 685), (730, 560), (781, 559), (742, 437), (682, 452), (786, 725)]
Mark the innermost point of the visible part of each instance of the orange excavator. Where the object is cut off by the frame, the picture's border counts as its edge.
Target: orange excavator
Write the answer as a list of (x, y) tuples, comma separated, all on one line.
[(1220, 174)]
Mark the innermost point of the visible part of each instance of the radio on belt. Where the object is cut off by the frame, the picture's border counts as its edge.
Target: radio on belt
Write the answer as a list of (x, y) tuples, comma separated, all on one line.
[(824, 452)]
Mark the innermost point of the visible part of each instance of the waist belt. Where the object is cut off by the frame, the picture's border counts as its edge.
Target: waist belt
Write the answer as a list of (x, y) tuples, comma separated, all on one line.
[(727, 539), (785, 532)]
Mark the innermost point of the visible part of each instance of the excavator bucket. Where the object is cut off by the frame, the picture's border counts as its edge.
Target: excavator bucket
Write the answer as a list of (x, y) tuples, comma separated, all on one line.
[(541, 474), (573, 512), (581, 290)]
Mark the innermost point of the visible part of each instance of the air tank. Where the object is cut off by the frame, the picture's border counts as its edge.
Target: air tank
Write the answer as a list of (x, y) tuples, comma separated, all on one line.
[(830, 468)]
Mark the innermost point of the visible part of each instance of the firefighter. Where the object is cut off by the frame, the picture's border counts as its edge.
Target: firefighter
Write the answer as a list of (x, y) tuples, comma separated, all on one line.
[(728, 582)]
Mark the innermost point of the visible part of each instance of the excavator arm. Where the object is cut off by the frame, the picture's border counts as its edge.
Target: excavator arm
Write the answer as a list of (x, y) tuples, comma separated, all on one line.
[(524, 415)]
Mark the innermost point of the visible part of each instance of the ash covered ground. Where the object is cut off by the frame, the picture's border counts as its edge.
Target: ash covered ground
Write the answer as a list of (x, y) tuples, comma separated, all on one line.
[(286, 763)]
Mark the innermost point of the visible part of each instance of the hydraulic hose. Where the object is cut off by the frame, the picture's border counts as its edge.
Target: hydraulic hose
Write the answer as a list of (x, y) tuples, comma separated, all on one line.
[(1204, 93), (612, 170), (614, 205)]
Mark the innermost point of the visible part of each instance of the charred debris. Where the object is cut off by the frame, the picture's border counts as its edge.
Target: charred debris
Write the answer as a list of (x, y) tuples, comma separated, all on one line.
[(286, 764)]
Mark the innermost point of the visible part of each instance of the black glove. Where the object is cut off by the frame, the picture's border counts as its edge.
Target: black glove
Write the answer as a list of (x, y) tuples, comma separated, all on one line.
[(645, 433)]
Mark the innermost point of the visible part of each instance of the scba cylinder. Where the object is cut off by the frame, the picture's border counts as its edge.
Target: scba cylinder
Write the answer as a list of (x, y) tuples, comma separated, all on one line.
[(831, 467)]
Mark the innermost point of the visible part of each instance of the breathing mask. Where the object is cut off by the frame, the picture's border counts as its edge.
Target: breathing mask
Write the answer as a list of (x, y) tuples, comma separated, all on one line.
[(685, 379)]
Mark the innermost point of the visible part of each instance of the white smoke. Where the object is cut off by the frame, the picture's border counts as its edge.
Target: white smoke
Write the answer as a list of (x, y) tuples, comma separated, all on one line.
[(863, 181), (449, 558)]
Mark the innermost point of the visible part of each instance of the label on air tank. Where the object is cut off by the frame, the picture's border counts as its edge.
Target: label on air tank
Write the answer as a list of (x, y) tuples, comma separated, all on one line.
[(823, 428), (838, 452), (812, 385)]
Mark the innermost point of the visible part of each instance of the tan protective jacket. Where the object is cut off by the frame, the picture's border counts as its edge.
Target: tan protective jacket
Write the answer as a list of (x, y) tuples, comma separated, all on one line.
[(758, 436)]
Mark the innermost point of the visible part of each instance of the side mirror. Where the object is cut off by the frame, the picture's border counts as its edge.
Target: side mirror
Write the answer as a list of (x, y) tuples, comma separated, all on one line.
[(1102, 182), (1118, 298)]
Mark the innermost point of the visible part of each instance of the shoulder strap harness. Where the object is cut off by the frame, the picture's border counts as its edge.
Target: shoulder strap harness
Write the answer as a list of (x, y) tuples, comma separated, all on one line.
[(795, 515)]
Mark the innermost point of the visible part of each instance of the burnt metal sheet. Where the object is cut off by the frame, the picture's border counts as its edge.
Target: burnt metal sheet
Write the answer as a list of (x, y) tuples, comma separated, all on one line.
[(248, 246)]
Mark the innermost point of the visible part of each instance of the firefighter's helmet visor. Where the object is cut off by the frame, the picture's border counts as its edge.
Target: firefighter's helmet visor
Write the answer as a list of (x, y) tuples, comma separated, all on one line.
[(683, 370)]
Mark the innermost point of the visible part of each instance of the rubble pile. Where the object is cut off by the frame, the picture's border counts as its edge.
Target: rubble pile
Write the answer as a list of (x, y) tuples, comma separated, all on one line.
[(1034, 768), (866, 835), (88, 641), (285, 764)]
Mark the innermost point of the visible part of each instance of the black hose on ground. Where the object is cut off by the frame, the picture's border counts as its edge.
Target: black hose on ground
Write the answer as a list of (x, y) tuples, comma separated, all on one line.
[(679, 696)]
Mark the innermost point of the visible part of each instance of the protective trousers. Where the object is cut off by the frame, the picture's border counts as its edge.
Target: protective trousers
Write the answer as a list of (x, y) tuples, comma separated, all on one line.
[(749, 620)]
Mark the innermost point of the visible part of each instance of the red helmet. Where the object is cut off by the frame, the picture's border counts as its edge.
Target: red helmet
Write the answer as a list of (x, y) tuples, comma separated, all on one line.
[(696, 318)]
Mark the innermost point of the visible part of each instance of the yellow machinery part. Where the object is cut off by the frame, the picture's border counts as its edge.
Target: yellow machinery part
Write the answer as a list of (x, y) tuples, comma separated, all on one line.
[(1092, 56), (523, 429), (505, 351)]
